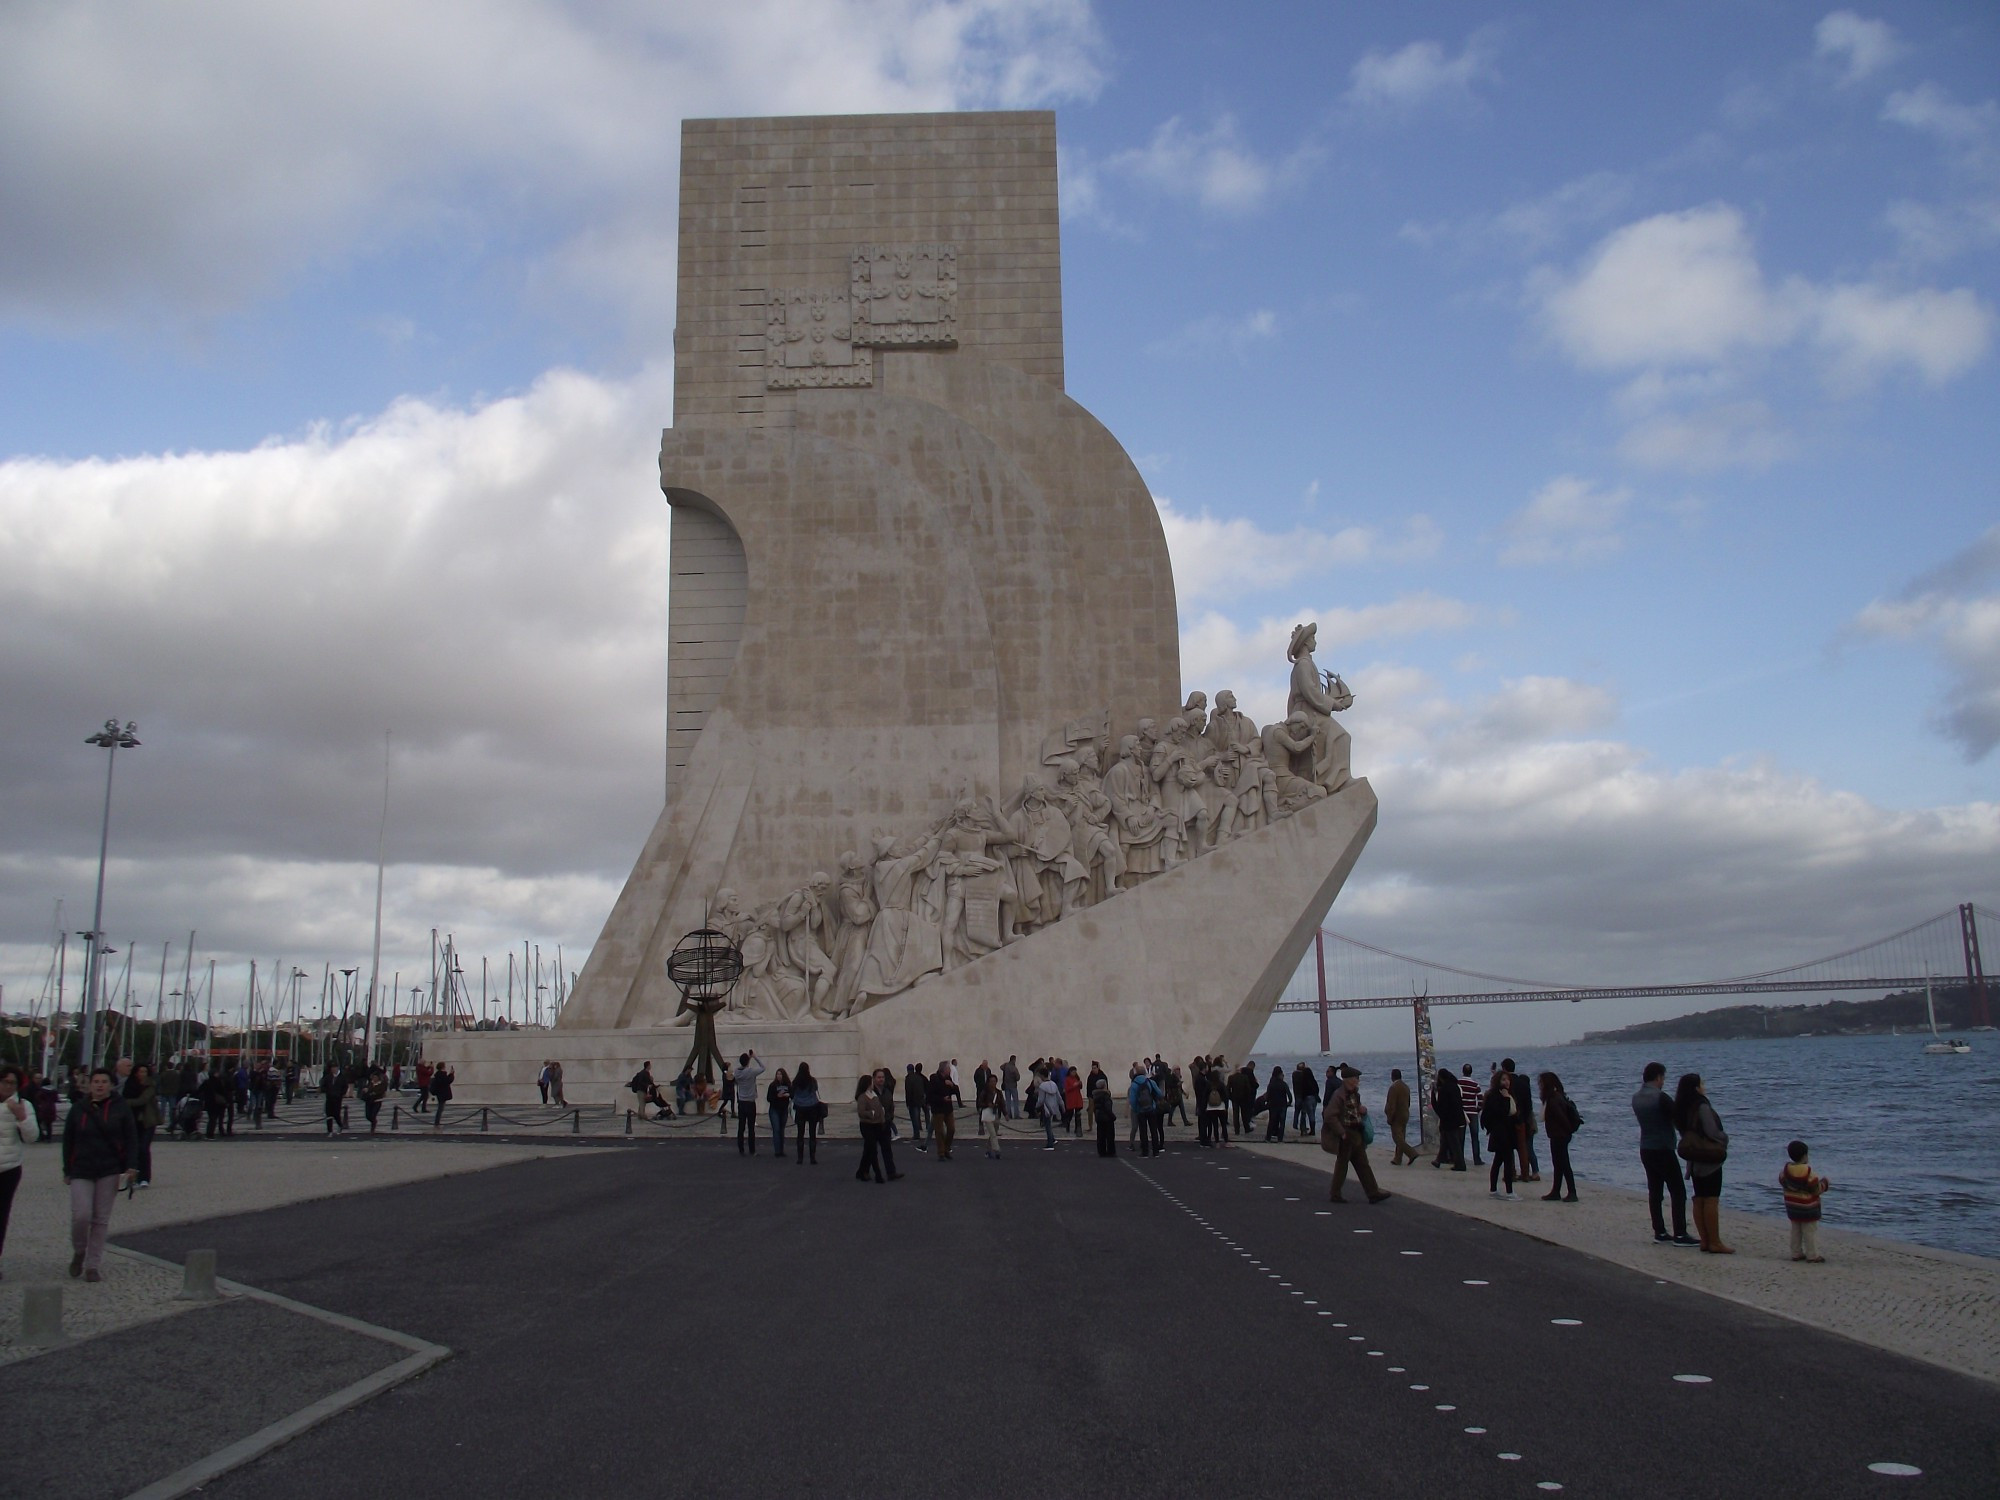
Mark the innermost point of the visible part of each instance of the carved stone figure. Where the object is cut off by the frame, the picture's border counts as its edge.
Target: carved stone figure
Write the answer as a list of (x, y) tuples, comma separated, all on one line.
[(854, 911), (1039, 853), (1195, 711), (905, 941), (1092, 845), (1289, 749), (1226, 727), (1141, 826), (1176, 771), (1319, 697), (980, 903), (802, 930)]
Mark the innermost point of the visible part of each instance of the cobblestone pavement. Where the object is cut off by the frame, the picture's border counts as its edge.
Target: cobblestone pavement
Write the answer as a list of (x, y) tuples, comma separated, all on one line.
[(1932, 1305), (193, 1181)]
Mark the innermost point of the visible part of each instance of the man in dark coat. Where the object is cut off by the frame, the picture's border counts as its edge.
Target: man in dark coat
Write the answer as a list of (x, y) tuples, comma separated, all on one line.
[(1450, 1106)]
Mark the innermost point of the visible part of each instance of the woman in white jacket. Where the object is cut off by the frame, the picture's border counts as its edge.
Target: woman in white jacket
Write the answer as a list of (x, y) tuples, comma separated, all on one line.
[(17, 1129)]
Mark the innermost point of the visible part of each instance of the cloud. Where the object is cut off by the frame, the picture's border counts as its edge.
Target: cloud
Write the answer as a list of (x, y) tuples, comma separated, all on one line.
[(1235, 335), (1729, 435), (179, 162), (1230, 559), (1569, 520), (1685, 290), (1956, 608), (1932, 110), (1422, 74), (1213, 167), (1532, 226), (1855, 45)]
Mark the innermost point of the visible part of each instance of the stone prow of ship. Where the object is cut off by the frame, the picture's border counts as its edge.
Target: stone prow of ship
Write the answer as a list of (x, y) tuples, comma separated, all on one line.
[(929, 763)]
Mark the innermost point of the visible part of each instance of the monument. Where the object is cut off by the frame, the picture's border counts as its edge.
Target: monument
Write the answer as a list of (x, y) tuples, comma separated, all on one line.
[(929, 764)]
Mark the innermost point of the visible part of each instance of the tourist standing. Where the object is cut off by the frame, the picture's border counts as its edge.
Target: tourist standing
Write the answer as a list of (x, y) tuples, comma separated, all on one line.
[(1704, 1146), (333, 1094), (1802, 1189), (748, 1069), (916, 1099), (1305, 1100), (444, 1082), (1524, 1122), (1243, 1097), (17, 1129), (99, 1150), (556, 1084), (1104, 1114), (424, 1074), (885, 1090), (941, 1095), (778, 1103), (1346, 1118), (1010, 1085), (1142, 1097), (1450, 1106), (1657, 1139), (374, 1089), (1496, 1118), (541, 1080), (1470, 1100), (1561, 1120), (1396, 1110), (143, 1099), (807, 1112), (1073, 1101), (992, 1109), (1214, 1111), (1277, 1105), (868, 1106)]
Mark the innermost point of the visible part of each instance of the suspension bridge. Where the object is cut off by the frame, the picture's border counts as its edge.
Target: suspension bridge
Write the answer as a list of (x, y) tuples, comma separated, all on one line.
[(1367, 977)]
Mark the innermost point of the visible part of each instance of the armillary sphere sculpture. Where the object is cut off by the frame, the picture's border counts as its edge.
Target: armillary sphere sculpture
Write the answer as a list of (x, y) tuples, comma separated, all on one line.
[(704, 967)]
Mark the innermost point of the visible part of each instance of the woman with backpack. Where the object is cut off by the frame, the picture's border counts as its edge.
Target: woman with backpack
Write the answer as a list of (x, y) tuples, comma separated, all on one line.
[(1704, 1147), (1561, 1120), (1496, 1118)]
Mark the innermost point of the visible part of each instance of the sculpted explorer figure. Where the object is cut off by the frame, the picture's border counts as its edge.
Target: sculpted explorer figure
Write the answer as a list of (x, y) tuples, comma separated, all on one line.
[(1141, 827), (905, 941), (854, 909), (1319, 697), (802, 927), (1092, 846)]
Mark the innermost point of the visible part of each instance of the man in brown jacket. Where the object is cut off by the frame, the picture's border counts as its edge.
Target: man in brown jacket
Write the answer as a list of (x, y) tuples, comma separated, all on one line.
[(1396, 1109), (1341, 1134)]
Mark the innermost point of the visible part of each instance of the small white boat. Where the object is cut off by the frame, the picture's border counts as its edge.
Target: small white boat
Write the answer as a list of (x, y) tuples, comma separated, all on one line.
[(1940, 1046)]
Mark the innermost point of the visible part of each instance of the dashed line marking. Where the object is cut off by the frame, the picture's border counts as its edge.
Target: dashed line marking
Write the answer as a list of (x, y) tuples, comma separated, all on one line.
[(1694, 1380), (1900, 1471), (1567, 1322)]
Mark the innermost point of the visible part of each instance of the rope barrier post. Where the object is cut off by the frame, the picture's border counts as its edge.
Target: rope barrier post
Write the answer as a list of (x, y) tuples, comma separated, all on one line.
[(576, 1122), (482, 1117), (628, 1122), (395, 1117)]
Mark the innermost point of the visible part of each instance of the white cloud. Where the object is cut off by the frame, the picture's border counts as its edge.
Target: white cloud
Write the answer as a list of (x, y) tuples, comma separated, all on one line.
[(1957, 609), (1226, 560), (1706, 440), (1930, 108), (1532, 226), (1855, 44), (1421, 74), (197, 156), (1214, 167), (1568, 520), (1685, 289), (1236, 335)]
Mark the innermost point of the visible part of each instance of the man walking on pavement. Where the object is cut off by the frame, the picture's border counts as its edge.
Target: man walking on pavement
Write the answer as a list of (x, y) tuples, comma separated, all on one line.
[(1344, 1113), (1396, 1109)]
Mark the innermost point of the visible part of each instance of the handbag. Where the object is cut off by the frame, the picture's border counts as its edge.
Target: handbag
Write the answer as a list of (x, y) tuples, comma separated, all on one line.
[(1367, 1130), (1700, 1149)]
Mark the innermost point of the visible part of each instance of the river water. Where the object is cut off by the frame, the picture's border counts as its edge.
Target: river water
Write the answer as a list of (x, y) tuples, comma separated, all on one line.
[(1911, 1143)]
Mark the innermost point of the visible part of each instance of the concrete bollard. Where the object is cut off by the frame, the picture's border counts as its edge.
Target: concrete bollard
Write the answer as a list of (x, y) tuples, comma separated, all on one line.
[(576, 1122), (482, 1117), (628, 1122), (198, 1277), (41, 1316), (395, 1117)]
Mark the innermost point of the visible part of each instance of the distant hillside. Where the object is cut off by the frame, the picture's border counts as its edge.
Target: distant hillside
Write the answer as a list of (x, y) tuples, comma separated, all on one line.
[(1904, 1012)]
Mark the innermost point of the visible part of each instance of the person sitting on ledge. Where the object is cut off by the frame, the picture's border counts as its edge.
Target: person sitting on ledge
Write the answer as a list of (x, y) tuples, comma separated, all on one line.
[(703, 1092)]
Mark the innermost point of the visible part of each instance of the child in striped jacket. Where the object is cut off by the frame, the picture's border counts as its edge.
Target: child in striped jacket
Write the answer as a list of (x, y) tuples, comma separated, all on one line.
[(1802, 1195)]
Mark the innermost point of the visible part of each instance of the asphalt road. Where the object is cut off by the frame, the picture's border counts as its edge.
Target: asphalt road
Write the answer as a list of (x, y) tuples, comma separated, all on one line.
[(673, 1319)]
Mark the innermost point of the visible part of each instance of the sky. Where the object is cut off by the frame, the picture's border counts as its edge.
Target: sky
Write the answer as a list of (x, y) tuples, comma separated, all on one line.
[(1615, 385)]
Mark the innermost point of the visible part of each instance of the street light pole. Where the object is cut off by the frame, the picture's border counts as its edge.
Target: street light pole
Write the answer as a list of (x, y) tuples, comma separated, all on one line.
[(113, 739)]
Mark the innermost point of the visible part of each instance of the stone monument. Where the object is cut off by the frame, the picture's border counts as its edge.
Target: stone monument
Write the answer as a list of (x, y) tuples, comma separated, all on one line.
[(928, 761)]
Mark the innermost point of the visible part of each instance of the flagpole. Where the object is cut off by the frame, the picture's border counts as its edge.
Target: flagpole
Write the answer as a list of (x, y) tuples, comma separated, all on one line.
[(375, 962)]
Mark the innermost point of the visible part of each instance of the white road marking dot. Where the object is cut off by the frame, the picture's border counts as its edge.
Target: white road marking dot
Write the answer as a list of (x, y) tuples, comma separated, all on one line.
[(1476, 1431), (1547, 1484), (1353, 1338), (1311, 1303), (1291, 1200), (1693, 1380), (1511, 1458), (1340, 1325), (1364, 1231), (1322, 1213), (1479, 1283), (1446, 1406), (1374, 1353), (1325, 1314), (1567, 1322), (1263, 1187), (1413, 1252), (1419, 1387), (1901, 1471), (1397, 1370)]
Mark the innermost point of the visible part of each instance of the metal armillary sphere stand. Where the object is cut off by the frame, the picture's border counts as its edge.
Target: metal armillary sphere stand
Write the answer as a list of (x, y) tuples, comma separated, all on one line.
[(704, 967)]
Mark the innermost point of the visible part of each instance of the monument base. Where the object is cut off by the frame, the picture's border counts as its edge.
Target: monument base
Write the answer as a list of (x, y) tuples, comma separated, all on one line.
[(1188, 963)]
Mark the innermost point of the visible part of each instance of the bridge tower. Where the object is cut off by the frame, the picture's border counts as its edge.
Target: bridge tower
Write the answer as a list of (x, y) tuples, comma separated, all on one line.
[(1975, 972)]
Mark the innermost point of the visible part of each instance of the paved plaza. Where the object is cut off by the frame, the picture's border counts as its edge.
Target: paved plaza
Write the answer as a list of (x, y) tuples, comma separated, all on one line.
[(668, 1318)]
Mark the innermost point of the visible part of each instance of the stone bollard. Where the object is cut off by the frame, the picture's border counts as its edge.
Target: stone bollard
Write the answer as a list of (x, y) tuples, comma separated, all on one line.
[(576, 1122), (41, 1316), (482, 1117), (395, 1117), (198, 1277), (628, 1122)]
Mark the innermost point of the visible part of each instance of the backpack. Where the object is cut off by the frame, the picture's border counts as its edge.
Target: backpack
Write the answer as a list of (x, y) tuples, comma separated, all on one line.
[(1147, 1100), (1575, 1115)]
